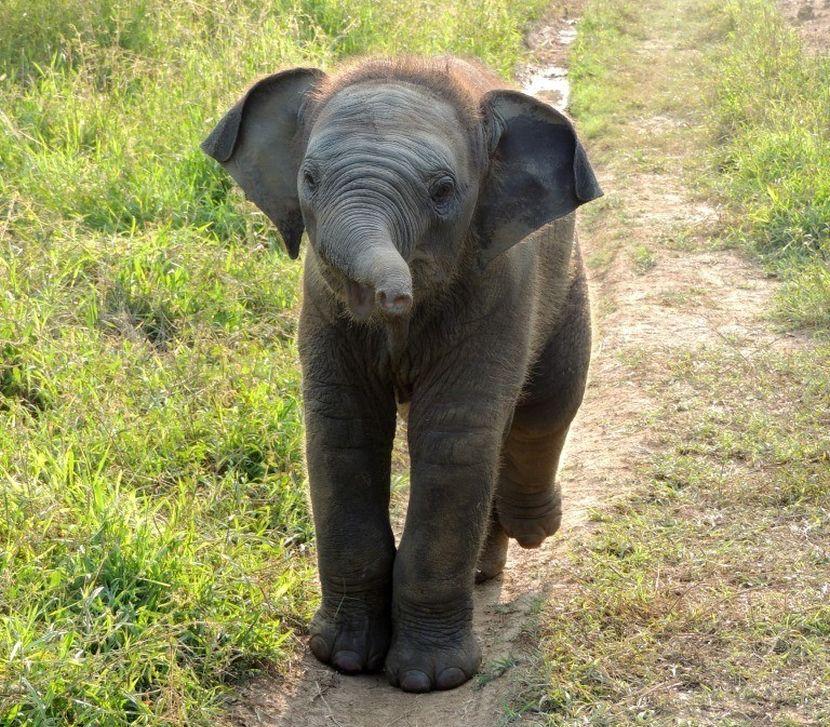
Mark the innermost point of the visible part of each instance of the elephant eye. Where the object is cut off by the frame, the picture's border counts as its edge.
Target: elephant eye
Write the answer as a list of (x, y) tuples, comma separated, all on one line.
[(310, 180), (442, 191)]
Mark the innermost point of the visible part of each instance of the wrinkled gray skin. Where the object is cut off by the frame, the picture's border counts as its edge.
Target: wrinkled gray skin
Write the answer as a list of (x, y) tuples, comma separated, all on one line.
[(416, 288)]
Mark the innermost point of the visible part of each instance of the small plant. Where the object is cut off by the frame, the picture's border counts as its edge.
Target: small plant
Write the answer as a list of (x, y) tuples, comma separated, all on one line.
[(494, 670), (643, 258)]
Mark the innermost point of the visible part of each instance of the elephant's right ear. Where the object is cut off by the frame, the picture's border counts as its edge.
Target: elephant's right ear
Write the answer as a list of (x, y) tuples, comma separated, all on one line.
[(258, 142)]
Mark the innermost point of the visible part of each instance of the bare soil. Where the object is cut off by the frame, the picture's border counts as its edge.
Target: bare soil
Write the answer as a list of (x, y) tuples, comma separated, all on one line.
[(686, 296), (812, 20)]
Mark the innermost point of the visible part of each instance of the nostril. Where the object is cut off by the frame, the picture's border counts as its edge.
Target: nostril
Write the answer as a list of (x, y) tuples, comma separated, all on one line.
[(397, 304)]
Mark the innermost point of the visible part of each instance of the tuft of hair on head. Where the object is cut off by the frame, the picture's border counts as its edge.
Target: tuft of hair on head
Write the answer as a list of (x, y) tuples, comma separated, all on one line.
[(458, 81)]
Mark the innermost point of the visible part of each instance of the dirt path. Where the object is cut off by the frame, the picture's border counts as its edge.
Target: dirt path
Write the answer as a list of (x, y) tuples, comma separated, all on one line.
[(639, 310), (811, 19)]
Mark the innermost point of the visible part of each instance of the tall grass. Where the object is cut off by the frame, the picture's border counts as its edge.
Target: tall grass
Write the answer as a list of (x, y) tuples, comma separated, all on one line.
[(772, 119), (154, 537)]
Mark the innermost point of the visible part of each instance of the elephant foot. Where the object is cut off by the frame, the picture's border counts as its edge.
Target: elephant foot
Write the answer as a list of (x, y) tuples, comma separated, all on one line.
[(493, 553), (429, 658), (529, 519), (352, 642)]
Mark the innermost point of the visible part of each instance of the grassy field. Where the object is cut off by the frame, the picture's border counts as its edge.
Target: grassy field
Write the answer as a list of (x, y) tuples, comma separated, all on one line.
[(155, 539), (703, 598)]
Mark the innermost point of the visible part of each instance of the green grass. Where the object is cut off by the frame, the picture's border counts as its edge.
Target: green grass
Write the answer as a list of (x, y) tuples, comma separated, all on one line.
[(643, 258), (155, 540), (772, 121), (605, 38), (703, 598)]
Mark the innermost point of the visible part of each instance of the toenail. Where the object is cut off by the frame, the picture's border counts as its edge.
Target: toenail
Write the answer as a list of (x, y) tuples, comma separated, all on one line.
[(415, 681), (451, 677), (346, 661), (319, 647)]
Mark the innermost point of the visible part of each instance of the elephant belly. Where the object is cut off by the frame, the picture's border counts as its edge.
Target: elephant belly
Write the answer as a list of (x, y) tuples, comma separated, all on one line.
[(554, 389)]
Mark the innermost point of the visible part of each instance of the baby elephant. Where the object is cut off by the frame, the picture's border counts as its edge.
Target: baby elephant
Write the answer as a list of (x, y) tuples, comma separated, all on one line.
[(416, 180)]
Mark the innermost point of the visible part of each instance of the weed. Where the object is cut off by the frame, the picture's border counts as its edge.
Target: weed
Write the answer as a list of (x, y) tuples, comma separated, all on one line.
[(643, 258), (494, 670)]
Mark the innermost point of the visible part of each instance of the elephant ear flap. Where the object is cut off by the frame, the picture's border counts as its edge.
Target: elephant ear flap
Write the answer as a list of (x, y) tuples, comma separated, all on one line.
[(539, 171), (259, 142)]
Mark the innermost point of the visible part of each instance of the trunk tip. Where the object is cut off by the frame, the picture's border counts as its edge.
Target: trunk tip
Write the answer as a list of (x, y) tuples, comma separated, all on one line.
[(394, 303)]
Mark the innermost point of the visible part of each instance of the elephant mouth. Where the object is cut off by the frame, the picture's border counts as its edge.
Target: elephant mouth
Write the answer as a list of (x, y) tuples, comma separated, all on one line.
[(360, 299), (363, 300)]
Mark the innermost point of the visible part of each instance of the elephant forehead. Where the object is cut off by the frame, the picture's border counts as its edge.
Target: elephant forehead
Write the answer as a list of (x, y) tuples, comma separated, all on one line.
[(391, 114), (415, 152)]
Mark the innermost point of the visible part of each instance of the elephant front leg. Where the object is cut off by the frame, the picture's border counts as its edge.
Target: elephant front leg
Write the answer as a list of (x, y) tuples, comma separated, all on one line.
[(454, 452), (349, 437)]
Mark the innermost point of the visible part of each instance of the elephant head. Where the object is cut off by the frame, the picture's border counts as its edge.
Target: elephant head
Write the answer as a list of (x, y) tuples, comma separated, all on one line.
[(400, 179)]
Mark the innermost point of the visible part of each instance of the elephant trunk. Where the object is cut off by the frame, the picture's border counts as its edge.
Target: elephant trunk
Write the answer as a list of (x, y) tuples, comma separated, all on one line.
[(377, 274)]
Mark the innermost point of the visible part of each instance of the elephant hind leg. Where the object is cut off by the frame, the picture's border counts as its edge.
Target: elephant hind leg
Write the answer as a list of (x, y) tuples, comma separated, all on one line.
[(528, 499), (528, 503), (493, 554)]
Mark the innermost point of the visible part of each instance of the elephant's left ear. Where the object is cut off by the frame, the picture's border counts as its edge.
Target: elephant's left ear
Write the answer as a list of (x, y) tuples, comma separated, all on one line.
[(538, 172), (258, 142)]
